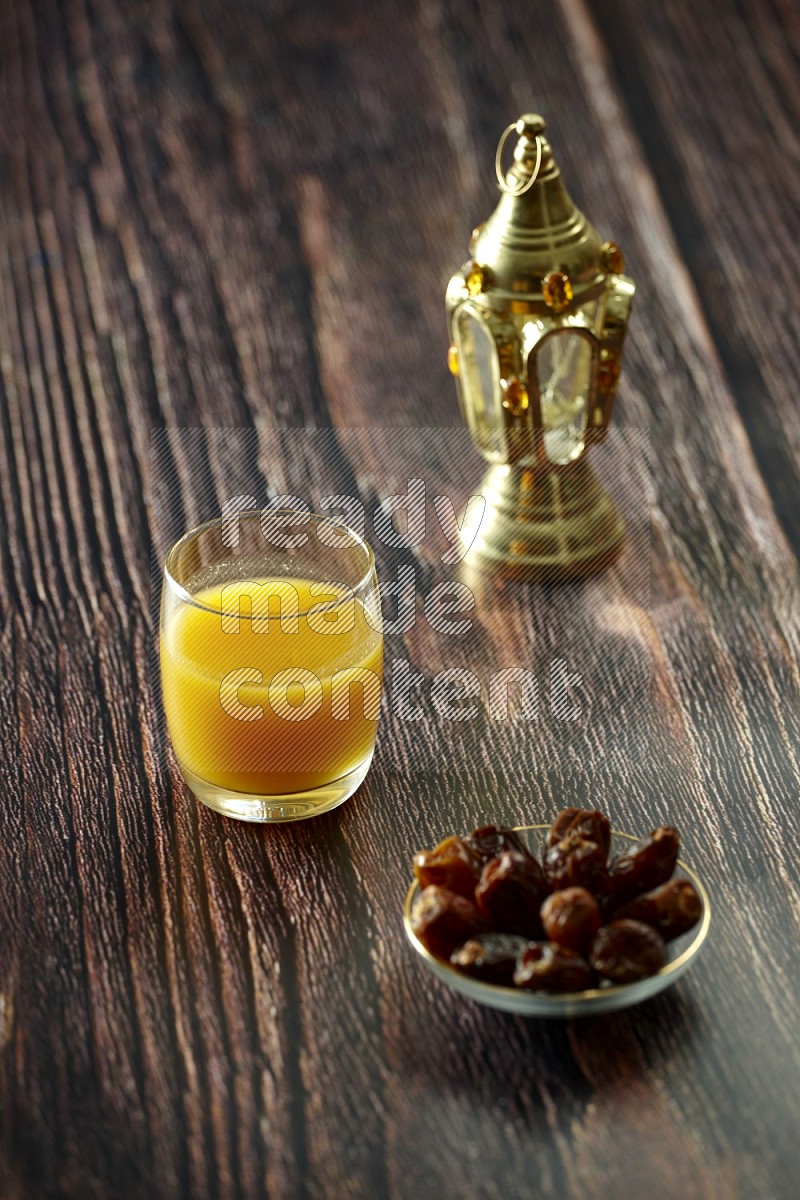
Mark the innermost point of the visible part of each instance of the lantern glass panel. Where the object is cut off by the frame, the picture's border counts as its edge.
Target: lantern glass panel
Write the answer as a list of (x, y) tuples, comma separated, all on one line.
[(479, 378), (564, 372)]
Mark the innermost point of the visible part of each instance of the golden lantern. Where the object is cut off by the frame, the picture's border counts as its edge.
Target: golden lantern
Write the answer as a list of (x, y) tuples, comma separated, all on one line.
[(537, 319)]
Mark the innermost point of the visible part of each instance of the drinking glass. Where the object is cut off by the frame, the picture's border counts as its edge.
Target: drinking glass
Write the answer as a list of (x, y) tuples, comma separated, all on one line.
[(272, 662)]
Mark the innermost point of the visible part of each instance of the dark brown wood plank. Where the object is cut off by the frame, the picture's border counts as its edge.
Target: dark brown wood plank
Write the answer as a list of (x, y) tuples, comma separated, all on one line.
[(715, 105)]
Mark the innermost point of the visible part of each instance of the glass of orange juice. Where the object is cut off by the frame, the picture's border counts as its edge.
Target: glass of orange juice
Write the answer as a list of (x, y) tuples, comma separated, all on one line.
[(272, 662)]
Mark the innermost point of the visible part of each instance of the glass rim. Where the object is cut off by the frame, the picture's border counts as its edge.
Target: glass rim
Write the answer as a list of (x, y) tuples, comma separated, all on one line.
[(190, 535)]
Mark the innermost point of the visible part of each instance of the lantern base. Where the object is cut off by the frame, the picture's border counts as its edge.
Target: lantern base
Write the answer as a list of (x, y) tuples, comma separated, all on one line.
[(543, 526)]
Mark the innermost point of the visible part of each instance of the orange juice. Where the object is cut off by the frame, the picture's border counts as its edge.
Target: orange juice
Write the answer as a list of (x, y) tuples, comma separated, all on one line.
[(271, 687)]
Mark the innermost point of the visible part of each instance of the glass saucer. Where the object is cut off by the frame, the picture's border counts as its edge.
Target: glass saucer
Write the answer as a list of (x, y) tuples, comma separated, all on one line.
[(606, 998)]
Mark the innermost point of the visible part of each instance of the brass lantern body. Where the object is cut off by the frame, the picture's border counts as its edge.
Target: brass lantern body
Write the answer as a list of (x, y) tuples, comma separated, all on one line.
[(537, 320)]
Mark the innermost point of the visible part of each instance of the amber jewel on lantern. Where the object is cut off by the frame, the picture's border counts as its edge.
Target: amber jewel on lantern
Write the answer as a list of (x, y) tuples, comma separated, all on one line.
[(452, 358), (609, 370), (612, 258), (515, 397), (476, 278), (557, 290)]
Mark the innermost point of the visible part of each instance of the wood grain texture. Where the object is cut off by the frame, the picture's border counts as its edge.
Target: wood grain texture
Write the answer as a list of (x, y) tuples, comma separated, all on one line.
[(226, 232)]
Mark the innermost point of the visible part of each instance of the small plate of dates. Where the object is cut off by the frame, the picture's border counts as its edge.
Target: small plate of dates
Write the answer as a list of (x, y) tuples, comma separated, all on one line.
[(560, 920)]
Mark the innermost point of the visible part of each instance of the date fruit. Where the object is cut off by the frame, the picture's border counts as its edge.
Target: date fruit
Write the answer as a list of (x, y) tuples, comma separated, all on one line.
[(591, 824), (547, 967), (491, 957), (646, 865), (672, 909), (489, 841), (510, 893), (442, 920), (576, 862), (452, 865), (571, 917), (624, 951)]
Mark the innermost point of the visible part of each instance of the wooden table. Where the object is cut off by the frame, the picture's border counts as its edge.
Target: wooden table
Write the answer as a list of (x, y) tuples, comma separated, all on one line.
[(239, 220)]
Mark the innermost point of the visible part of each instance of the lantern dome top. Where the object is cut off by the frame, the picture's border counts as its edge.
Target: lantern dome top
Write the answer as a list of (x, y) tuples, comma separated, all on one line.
[(536, 230)]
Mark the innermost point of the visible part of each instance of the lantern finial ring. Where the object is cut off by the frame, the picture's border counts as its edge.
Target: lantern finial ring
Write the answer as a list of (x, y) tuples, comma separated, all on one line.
[(498, 164)]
